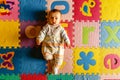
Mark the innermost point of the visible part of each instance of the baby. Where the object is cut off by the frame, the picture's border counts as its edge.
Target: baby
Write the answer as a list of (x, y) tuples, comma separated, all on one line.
[(53, 36)]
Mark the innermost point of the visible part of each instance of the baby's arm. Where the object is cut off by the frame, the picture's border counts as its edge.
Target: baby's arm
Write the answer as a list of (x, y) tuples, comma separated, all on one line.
[(66, 38), (41, 36)]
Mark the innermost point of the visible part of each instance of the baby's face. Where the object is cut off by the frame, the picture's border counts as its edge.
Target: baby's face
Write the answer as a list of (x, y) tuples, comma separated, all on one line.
[(54, 18)]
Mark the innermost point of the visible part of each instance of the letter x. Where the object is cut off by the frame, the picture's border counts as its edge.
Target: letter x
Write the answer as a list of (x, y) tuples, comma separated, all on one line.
[(112, 34)]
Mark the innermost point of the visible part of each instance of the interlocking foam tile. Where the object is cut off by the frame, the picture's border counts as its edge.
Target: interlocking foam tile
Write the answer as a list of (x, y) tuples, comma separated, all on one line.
[(25, 41), (65, 6), (33, 77), (110, 77), (61, 77), (9, 11), (110, 10), (87, 77), (9, 77), (68, 26), (7, 60), (110, 61), (86, 34), (86, 60), (110, 34), (86, 10), (67, 62), (32, 61), (16, 60), (10, 30), (32, 10)]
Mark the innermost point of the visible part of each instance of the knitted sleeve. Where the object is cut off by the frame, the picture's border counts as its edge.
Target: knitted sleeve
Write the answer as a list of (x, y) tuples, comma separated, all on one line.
[(65, 36), (42, 33)]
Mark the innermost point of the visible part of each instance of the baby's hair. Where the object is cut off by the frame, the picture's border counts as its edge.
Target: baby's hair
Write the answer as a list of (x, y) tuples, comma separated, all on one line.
[(54, 10)]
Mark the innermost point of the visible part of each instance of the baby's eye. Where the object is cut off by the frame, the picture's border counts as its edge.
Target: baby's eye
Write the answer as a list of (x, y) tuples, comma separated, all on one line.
[(52, 17)]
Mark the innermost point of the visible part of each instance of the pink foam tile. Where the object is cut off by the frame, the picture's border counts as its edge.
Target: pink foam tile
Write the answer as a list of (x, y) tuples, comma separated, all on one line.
[(13, 10), (66, 7), (93, 36), (110, 77), (68, 62)]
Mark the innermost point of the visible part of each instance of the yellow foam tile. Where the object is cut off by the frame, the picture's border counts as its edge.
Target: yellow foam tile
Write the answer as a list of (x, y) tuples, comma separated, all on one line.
[(78, 69), (9, 34), (110, 10), (110, 60)]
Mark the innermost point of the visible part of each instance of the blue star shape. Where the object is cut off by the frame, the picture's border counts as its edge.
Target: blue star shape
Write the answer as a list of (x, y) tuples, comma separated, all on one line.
[(86, 60)]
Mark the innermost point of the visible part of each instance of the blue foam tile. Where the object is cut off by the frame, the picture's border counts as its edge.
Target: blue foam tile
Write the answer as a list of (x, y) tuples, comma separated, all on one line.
[(87, 77), (110, 34), (92, 77), (32, 61), (32, 10), (79, 77), (16, 60), (25, 60)]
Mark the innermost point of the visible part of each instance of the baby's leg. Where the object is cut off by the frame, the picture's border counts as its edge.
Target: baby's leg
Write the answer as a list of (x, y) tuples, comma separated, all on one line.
[(49, 58), (58, 60)]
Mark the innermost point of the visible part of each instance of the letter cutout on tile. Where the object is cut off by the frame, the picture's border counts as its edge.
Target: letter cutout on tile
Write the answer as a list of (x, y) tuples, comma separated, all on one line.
[(7, 60), (112, 34), (114, 61), (61, 3), (85, 35)]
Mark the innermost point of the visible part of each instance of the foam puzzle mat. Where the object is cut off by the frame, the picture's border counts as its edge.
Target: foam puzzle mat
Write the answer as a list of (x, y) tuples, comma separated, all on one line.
[(93, 27)]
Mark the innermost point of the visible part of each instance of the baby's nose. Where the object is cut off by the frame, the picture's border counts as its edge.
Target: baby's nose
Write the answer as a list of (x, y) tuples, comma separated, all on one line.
[(54, 20)]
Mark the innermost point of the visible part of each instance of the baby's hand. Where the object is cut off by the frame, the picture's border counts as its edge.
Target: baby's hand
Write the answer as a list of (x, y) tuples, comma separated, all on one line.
[(68, 45), (38, 42), (37, 46)]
